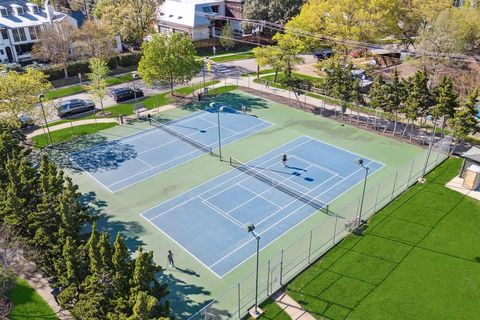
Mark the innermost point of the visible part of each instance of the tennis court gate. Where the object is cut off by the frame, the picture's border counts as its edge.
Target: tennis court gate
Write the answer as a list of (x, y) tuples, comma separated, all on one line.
[(235, 302)]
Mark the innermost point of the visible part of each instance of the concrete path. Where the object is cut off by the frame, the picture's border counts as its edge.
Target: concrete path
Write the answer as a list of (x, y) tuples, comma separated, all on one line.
[(36, 280), (74, 123), (291, 307), (456, 184)]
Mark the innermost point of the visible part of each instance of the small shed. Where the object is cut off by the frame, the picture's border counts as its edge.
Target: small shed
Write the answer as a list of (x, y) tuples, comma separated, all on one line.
[(471, 168)]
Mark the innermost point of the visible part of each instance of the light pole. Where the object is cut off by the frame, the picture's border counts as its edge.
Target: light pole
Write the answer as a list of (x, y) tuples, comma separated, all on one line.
[(219, 109), (250, 229), (134, 77), (203, 71), (40, 98), (359, 161), (432, 141)]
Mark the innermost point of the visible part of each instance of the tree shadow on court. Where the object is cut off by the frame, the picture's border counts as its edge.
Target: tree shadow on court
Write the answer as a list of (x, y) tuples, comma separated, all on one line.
[(96, 208), (91, 153), (182, 306), (231, 99)]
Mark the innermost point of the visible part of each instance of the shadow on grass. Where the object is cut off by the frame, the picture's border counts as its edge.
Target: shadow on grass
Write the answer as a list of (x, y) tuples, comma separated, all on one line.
[(231, 99), (27, 304)]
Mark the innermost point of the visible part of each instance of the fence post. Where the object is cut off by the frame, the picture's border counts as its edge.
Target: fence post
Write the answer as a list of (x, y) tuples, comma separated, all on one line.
[(335, 229), (268, 277), (239, 303), (310, 246), (410, 174), (376, 199), (394, 183), (281, 268)]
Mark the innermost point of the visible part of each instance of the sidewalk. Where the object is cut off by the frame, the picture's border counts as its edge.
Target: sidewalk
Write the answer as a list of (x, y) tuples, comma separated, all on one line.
[(291, 307), (36, 280)]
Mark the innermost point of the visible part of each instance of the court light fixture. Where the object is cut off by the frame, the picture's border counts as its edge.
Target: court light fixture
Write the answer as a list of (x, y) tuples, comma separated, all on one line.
[(250, 228), (360, 162)]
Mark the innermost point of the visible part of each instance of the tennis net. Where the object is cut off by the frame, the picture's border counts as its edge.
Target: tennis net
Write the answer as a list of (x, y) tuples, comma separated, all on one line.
[(182, 137), (317, 204)]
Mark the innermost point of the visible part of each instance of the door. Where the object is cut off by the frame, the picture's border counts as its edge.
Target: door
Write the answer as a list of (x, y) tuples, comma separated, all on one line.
[(9, 54)]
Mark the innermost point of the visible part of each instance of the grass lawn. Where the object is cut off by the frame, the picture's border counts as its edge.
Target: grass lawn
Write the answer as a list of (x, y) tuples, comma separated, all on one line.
[(254, 73), (232, 57), (418, 259), (188, 90), (28, 304), (272, 311), (70, 133), (71, 90)]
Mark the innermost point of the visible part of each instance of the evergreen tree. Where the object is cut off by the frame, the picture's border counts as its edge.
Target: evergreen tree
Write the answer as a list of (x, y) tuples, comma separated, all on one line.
[(446, 100), (93, 255), (144, 307), (464, 122), (396, 96), (378, 93), (227, 38), (105, 252), (121, 266)]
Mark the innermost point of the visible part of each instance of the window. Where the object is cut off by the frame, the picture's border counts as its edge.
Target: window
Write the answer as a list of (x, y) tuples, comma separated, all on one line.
[(4, 34), (3, 12), (19, 35), (34, 9), (24, 48), (215, 8), (207, 9), (34, 31), (19, 11), (2, 52)]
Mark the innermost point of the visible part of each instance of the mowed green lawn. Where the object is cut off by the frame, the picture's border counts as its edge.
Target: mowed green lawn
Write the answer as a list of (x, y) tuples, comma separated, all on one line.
[(28, 304), (418, 259)]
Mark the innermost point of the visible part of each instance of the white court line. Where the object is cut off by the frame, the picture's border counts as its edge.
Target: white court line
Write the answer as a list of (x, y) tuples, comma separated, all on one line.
[(88, 173), (223, 127), (221, 212), (317, 166), (256, 195), (157, 173), (207, 191)]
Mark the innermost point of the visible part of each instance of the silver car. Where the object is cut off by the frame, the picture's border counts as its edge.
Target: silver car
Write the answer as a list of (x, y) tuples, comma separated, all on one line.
[(69, 107)]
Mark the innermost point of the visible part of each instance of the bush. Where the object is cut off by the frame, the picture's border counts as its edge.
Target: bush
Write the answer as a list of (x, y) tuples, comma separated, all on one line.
[(74, 68)]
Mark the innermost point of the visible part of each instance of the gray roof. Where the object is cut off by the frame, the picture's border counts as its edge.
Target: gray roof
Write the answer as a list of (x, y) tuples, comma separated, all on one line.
[(472, 154)]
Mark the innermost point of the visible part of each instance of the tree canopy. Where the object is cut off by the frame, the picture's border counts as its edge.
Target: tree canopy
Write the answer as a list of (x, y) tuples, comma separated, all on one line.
[(168, 59)]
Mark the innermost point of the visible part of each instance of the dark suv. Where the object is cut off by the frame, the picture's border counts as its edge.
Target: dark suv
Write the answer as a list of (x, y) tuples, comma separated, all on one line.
[(124, 94), (69, 107), (323, 54)]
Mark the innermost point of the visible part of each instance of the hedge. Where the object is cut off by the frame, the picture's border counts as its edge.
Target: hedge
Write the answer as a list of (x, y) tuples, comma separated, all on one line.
[(74, 68)]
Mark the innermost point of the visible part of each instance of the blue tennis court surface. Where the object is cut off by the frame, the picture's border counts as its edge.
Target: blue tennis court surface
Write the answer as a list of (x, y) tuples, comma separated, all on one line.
[(123, 162), (208, 221)]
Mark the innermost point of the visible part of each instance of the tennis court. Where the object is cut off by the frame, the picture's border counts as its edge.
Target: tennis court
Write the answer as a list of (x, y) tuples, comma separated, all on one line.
[(208, 221), (121, 163)]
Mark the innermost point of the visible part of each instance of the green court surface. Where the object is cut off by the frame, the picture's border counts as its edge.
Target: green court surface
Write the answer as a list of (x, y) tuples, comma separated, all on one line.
[(418, 259), (191, 284), (28, 304)]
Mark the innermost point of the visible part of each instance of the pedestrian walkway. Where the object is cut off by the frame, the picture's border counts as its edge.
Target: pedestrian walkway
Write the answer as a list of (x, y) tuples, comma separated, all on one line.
[(38, 282), (291, 307)]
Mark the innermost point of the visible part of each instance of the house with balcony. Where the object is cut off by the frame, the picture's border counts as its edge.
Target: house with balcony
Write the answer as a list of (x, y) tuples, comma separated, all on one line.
[(200, 19), (20, 25)]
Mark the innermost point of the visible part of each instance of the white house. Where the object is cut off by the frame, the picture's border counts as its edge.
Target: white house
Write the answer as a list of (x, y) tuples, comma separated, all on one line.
[(201, 19), (20, 24)]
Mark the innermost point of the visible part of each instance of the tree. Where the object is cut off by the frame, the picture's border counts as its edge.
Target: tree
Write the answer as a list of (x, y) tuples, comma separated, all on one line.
[(131, 18), (276, 11), (93, 40), (55, 44), (227, 38), (446, 99), (19, 93), (378, 94), (396, 96), (168, 60), (344, 20), (464, 122), (98, 79)]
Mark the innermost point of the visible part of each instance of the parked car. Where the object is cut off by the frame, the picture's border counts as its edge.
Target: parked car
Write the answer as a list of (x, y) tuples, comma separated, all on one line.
[(25, 121), (124, 94), (69, 107), (323, 54)]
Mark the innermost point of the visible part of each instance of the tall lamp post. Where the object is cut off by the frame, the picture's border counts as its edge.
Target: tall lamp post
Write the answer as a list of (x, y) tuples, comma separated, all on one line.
[(219, 109), (432, 141), (250, 229), (40, 98), (203, 71), (359, 161), (135, 77)]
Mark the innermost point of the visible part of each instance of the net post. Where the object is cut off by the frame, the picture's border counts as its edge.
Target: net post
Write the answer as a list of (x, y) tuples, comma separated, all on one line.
[(230, 159), (327, 210), (394, 184)]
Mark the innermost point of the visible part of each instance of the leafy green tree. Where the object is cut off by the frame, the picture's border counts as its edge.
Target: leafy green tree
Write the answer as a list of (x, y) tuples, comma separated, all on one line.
[(227, 37), (276, 11), (396, 97), (168, 59), (378, 94), (144, 307), (19, 93), (98, 79), (464, 122)]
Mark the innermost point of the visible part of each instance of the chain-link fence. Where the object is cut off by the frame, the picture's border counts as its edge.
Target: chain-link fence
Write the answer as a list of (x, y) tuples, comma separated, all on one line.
[(235, 302)]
